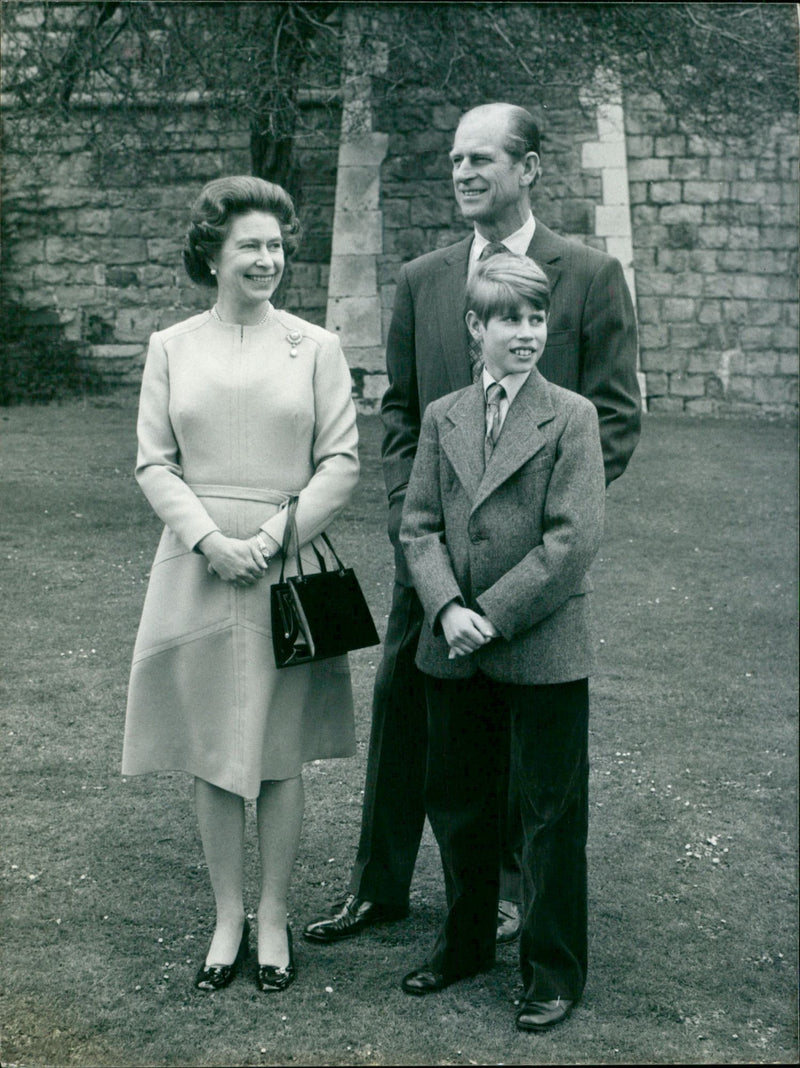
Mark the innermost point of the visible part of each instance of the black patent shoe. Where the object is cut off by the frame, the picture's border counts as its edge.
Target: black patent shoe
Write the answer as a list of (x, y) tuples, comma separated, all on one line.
[(217, 976), (271, 979)]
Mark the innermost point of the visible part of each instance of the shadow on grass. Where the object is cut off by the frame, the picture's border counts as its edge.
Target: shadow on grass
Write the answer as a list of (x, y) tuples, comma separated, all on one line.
[(107, 909)]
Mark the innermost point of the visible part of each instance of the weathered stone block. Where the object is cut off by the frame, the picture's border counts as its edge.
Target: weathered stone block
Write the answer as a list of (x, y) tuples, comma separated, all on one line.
[(709, 311), (357, 232), (678, 310), (94, 221), (704, 362), (703, 261), (653, 283), (578, 217), (687, 335), (785, 337), (688, 168), (779, 391), (638, 147), (27, 252), (649, 310), (615, 185), (704, 192), (704, 146), (353, 276), (135, 324), (603, 154), (664, 193), (369, 149), (637, 193), (652, 337), (657, 384), (357, 320), (429, 211), (375, 384), (357, 188), (755, 286), (665, 404), (76, 296), (672, 259), (673, 145), (611, 221), (686, 385), (713, 236), (722, 169), (680, 213), (396, 214), (648, 170), (122, 276), (702, 406), (644, 215)]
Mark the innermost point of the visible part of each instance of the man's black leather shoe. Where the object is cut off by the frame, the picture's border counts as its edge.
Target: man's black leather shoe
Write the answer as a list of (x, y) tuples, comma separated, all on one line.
[(542, 1015), (350, 916), (427, 981), (509, 921)]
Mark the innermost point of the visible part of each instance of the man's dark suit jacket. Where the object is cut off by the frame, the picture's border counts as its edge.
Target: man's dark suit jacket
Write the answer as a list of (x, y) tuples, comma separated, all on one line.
[(591, 350)]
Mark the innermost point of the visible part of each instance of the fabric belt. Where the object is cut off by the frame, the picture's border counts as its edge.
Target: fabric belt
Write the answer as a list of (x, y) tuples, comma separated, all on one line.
[(243, 493)]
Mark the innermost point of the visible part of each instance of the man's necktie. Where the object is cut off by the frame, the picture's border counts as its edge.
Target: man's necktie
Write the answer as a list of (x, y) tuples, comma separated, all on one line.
[(494, 394), (475, 356)]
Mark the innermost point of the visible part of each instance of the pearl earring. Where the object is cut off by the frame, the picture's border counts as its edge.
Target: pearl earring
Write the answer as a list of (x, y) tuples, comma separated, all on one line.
[(213, 270)]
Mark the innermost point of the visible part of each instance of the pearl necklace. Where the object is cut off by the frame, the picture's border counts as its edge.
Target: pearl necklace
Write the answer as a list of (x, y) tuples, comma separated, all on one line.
[(262, 320)]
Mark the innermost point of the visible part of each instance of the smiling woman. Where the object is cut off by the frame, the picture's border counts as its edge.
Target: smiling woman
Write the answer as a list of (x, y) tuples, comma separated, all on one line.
[(243, 408)]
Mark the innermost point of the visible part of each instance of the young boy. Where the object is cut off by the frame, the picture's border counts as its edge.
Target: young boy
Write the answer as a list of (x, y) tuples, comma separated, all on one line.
[(503, 515)]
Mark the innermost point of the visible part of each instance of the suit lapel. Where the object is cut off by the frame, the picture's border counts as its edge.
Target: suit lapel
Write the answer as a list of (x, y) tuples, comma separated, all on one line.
[(545, 249), (520, 438), (462, 441), (449, 289)]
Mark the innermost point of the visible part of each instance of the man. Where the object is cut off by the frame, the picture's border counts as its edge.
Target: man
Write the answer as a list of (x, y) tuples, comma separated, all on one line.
[(591, 349)]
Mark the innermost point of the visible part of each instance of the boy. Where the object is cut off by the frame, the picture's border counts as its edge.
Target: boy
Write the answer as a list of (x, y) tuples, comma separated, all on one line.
[(502, 518)]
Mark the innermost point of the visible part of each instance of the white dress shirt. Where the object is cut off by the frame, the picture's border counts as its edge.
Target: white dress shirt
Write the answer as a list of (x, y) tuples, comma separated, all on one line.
[(512, 384), (517, 242)]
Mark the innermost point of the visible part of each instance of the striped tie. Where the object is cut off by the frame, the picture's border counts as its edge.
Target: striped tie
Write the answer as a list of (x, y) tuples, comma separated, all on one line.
[(475, 355), (494, 394)]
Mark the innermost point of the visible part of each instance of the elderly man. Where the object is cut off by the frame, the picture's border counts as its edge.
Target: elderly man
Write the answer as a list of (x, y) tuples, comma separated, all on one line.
[(591, 349)]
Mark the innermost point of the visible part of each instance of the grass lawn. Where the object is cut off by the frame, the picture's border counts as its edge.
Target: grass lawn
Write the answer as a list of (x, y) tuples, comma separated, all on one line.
[(693, 867)]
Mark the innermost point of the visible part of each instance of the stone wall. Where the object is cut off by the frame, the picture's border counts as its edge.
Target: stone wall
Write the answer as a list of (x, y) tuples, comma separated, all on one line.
[(715, 248), (714, 240), (713, 232), (90, 245)]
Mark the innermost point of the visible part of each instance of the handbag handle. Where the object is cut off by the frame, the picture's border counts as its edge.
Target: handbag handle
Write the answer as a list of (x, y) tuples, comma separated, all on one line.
[(291, 530)]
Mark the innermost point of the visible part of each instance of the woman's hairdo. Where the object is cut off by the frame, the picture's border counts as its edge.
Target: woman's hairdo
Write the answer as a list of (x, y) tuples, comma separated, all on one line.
[(499, 284), (224, 199)]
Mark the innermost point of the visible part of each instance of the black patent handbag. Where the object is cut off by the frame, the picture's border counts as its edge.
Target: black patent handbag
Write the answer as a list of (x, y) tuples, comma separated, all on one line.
[(316, 616)]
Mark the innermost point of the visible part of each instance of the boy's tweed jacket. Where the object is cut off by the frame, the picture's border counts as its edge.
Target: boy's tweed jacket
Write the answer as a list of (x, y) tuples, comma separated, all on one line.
[(513, 539)]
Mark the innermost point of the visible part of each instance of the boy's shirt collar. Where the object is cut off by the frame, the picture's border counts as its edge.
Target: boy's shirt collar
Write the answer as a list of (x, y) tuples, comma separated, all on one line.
[(512, 384)]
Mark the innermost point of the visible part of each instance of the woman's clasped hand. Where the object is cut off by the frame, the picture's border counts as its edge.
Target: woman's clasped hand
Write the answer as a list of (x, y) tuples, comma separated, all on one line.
[(236, 560)]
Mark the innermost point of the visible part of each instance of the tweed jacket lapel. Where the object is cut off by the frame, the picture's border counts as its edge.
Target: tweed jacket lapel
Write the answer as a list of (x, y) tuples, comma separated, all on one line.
[(520, 438), (545, 249), (450, 285), (462, 440)]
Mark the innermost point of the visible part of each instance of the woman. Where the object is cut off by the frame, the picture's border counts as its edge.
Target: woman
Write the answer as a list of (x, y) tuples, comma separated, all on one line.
[(241, 408)]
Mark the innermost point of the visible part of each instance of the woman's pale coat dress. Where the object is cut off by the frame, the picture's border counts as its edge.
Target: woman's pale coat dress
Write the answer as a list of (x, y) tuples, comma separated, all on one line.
[(232, 420)]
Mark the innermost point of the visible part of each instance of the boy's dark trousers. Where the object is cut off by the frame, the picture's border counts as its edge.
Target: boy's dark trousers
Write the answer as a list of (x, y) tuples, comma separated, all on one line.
[(394, 808), (474, 725)]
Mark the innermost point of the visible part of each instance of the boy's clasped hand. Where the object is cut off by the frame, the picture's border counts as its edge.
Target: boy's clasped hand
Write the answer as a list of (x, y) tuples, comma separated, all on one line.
[(465, 631)]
